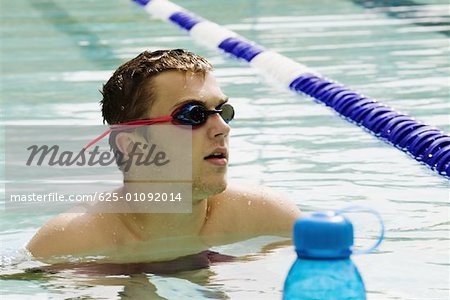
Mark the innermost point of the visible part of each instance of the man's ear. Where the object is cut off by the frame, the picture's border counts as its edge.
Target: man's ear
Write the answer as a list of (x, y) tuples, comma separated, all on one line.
[(124, 142)]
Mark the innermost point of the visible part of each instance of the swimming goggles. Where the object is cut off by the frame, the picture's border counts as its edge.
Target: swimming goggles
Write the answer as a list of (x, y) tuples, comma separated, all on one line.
[(191, 114)]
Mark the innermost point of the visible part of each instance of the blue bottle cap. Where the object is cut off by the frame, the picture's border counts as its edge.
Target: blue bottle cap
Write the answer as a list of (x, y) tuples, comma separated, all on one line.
[(323, 235)]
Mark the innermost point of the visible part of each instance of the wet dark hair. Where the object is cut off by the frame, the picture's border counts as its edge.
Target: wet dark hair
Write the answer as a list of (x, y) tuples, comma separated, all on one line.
[(129, 94)]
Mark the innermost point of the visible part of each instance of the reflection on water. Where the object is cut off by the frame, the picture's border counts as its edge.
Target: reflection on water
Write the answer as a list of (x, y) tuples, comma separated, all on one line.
[(200, 275), (421, 14)]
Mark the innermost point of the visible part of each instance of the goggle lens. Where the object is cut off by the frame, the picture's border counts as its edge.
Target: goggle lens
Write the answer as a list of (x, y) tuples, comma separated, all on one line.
[(196, 114), (227, 113)]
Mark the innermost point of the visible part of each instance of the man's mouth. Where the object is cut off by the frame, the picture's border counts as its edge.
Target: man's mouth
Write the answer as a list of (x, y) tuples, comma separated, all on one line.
[(218, 157)]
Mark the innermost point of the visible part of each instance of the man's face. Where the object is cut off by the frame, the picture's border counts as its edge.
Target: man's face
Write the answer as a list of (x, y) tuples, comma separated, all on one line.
[(173, 89)]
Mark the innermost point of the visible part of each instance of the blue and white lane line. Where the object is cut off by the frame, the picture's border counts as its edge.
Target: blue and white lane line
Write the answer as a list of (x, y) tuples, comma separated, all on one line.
[(425, 143)]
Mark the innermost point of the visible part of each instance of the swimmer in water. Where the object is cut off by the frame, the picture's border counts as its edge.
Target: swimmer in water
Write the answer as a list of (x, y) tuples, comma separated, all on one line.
[(153, 86)]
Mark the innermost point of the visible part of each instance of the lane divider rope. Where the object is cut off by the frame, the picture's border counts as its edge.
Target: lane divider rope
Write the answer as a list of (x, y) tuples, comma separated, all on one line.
[(425, 143)]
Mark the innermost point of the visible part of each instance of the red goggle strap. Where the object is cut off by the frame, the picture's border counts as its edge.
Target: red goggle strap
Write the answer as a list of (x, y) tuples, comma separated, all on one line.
[(132, 124)]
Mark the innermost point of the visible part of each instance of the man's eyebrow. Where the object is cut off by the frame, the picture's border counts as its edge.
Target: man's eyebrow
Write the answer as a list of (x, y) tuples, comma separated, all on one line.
[(196, 101), (224, 100)]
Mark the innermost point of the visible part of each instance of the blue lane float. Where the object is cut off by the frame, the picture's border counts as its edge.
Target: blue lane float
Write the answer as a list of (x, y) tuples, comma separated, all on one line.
[(425, 143)]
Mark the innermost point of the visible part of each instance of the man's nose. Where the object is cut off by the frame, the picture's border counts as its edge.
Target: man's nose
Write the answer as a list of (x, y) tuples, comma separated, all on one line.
[(217, 126)]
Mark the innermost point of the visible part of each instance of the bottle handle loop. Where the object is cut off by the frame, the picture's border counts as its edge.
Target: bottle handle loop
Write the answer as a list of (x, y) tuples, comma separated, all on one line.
[(377, 215)]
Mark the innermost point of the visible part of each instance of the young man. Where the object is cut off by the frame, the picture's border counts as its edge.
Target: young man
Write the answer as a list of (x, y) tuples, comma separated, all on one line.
[(153, 86)]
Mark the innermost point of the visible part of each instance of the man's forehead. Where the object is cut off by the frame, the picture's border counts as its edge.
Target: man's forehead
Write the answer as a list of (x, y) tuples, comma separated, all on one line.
[(179, 85), (171, 88)]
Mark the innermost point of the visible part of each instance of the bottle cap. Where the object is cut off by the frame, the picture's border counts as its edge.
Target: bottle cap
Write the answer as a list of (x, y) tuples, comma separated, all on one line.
[(326, 235)]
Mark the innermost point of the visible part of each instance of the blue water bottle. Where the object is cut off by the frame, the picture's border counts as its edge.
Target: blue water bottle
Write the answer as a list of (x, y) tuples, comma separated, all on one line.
[(323, 269)]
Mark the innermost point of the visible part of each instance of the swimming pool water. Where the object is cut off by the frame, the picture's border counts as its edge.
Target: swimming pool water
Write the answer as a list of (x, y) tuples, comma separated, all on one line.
[(56, 54)]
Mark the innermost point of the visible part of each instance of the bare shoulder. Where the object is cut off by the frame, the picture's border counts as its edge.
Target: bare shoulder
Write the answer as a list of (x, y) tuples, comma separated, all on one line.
[(254, 210), (70, 233)]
